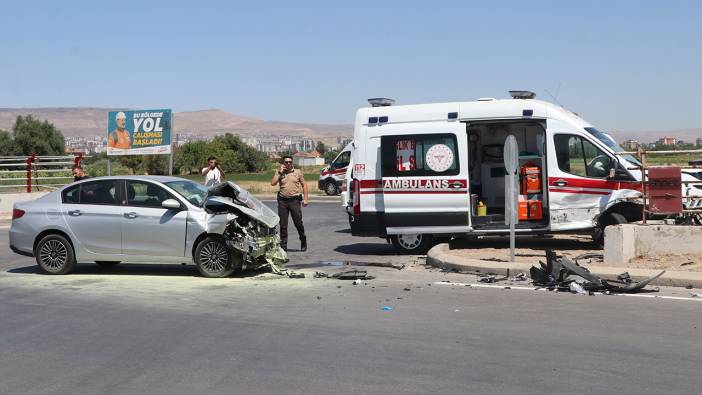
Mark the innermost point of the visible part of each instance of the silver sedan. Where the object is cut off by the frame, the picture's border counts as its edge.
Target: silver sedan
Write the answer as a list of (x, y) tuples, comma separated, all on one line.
[(147, 219)]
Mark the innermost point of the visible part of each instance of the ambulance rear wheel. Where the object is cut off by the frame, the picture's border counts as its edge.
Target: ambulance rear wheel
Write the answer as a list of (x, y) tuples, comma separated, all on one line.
[(609, 219), (331, 189), (417, 244)]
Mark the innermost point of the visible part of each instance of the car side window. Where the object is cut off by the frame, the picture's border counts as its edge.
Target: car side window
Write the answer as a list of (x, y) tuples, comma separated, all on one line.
[(146, 194), (71, 195), (580, 157), (99, 192)]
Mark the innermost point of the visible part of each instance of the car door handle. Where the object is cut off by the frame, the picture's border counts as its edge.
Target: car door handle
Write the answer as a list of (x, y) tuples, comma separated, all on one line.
[(131, 215), (75, 213), (456, 185), (560, 183)]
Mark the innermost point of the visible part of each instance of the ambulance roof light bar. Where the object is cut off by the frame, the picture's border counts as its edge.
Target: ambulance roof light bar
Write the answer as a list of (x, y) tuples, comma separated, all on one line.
[(522, 94), (381, 102)]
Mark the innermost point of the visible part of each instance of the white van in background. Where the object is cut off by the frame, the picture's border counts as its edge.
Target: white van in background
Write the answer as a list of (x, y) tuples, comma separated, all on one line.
[(331, 178), (431, 171)]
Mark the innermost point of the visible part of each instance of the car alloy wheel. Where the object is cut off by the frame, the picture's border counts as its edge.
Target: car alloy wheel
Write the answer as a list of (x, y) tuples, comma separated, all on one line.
[(214, 257), (53, 255)]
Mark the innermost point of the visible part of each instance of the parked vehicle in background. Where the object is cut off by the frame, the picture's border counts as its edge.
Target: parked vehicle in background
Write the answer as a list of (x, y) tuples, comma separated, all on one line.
[(331, 178), (147, 219)]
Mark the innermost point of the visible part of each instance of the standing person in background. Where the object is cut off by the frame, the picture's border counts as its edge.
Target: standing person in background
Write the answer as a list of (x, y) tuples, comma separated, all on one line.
[(213, 172), (292, 194), (78, 173)]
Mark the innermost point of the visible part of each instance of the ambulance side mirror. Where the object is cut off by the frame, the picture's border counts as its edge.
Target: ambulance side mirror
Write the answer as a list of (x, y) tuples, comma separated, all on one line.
[(612, 173)]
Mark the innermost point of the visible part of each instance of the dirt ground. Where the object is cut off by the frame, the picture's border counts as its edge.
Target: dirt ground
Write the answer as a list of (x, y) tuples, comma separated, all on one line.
[(531, 250)]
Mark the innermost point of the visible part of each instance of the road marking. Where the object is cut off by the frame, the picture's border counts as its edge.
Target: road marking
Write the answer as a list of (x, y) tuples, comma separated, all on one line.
[(521, 288)]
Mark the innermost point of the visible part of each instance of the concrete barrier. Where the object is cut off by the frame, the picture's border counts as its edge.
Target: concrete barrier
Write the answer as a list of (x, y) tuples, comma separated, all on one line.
[(8, 199), (626, 242)]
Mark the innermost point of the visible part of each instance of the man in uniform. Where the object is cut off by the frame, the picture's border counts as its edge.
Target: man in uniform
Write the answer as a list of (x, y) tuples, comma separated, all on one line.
[(292, 195)]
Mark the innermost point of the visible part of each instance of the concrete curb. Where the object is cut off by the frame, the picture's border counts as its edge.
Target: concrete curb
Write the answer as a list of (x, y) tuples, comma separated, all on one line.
[(440, 256)]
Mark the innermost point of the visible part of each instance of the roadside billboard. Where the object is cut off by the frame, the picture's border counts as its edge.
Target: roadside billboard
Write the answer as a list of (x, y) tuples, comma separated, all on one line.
[(139, 132)]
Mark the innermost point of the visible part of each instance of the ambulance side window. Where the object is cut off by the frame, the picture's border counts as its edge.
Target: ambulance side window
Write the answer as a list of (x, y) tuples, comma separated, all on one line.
[(419, 155), (342, 161), (580, 157)]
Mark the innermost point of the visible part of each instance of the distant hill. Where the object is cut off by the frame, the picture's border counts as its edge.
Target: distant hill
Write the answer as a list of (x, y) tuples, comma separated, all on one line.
[(85, 121)]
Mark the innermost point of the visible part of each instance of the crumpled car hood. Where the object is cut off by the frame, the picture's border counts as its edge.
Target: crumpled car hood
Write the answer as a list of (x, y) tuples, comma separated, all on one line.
[(230, 194)]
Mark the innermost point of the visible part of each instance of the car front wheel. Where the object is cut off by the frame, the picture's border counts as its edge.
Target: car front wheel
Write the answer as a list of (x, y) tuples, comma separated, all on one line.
[(54, 255), (213, 258)]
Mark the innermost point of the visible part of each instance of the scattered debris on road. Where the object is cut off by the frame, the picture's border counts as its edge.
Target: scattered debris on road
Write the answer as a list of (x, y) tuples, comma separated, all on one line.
[(346, 275), (387, 308), (561, 273)]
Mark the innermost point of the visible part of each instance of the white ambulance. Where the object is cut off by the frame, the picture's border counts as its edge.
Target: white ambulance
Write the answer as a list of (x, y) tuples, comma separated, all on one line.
[(331, 178), (430, 171)]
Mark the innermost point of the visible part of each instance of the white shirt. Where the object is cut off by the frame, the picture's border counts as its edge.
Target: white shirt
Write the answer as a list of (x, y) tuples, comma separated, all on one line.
[(213, 177)]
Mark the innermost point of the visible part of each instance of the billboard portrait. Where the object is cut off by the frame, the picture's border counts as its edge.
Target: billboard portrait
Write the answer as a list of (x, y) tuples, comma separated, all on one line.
[(140, 132)]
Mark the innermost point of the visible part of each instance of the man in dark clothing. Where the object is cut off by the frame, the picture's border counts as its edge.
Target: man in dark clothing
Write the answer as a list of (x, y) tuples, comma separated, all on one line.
[(78, 173), (293, 193)]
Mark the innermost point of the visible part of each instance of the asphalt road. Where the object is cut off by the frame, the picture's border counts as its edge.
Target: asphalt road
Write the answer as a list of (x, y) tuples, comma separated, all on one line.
[(160, 329)]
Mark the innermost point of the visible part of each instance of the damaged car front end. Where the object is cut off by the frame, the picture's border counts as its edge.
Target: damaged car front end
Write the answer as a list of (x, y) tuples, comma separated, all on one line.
[(246, 226)]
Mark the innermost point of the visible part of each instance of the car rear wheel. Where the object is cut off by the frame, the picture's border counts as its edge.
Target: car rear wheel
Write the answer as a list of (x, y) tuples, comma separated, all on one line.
[(412, 243), (213, 258), (54, 255), (331, 189), (107, 263)]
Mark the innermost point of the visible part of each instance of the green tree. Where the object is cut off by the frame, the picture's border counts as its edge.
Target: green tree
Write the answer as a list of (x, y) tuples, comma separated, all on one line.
[(7, 145), (329, 156), (321, 148), (190, 157), (32, 136)]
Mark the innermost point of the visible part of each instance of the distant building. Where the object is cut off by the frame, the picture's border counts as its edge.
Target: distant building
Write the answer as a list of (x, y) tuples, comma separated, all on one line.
[(698, 143), (667, 141), (312, 158), (631, 145)]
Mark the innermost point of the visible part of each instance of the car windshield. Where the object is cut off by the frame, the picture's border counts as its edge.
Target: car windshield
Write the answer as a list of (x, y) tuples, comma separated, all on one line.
[(609, 142), (195, 193)]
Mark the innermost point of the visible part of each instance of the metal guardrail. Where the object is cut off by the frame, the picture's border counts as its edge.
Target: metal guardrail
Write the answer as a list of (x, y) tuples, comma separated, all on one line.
[(37, 170)]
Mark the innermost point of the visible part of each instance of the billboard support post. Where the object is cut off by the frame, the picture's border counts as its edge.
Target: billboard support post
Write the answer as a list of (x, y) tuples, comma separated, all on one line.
[(109, 167)]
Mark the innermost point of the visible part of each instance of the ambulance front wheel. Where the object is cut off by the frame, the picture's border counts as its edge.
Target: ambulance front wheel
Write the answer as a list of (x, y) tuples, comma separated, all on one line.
[(331, 189), (416, 244), (607, 220)]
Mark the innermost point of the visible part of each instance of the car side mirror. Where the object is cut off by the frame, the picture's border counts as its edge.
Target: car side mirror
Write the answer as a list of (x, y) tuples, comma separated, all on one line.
[(171, 204)]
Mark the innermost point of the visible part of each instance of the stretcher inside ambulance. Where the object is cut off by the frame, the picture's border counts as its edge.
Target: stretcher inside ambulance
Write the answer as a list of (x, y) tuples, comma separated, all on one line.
[(427, 172)]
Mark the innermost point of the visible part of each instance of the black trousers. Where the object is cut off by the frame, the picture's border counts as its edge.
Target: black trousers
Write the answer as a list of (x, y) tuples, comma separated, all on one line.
[(294, 207)]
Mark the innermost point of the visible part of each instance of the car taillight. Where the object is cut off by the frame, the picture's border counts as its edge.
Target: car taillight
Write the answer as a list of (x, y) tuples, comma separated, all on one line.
[(17, 213)]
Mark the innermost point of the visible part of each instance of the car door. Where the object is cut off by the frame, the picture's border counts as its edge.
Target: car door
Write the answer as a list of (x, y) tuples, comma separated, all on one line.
[(93, 214), (149, 231), (579, 188), (425, 180)]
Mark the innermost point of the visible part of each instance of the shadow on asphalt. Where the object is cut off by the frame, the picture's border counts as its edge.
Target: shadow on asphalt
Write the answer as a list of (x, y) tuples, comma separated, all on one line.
[(366, 249), (343, 231), (135, 269)]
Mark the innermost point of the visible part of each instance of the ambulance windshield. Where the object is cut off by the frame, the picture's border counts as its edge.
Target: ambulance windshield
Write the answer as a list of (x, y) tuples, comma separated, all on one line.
[(609, 142)]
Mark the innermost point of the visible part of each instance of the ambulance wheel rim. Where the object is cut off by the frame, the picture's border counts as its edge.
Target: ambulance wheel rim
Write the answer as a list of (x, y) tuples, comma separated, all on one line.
[(409, 242)]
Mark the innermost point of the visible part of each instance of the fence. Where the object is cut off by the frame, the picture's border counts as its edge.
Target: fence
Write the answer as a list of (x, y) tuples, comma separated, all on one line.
[(692, 205), (36, 172)]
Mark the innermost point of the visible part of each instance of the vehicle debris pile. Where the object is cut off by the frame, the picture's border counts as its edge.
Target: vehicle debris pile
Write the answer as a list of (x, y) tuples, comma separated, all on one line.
[(249, 227), (562, 274)]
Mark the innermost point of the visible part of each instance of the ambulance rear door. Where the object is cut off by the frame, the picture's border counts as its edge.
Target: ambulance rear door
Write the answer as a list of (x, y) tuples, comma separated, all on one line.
[(424, 178)]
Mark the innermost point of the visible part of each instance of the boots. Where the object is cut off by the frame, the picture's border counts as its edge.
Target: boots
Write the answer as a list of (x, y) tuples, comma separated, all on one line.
[(303, 244)]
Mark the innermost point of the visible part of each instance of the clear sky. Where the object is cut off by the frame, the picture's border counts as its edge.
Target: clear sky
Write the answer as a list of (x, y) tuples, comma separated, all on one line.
[(623, 65)]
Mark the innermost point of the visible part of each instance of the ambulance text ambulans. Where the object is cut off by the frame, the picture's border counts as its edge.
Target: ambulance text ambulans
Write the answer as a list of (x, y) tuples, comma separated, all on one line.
[(428, 171)]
